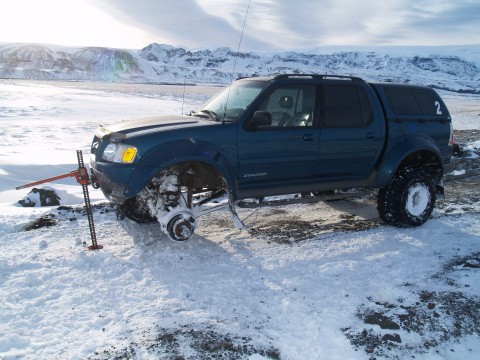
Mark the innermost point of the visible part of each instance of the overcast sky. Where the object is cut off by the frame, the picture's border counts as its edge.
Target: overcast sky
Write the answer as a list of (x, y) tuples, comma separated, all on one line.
[(270, 25)]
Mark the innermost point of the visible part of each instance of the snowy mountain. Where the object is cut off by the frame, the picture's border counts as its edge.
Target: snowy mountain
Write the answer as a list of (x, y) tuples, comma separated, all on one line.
[(455, 68)]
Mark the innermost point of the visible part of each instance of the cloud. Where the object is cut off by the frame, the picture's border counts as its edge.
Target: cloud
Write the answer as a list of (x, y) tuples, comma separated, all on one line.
[(182, 22), (434, 22), (286, 24)]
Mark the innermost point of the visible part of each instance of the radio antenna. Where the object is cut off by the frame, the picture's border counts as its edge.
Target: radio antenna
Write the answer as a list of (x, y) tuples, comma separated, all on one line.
[(235, 62), (184, 85)]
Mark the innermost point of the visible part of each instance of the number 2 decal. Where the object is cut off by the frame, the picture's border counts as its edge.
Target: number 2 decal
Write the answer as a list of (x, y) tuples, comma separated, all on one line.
[(437, 104)]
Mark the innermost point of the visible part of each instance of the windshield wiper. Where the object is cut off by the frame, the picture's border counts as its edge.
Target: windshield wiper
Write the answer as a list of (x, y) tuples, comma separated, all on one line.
[(211, 114)]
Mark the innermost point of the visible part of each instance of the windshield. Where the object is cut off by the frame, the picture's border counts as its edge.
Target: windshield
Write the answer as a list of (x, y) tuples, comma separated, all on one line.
[(232, 102)]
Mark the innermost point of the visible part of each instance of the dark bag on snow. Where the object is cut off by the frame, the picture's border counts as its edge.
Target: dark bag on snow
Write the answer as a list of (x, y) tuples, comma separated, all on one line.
[(46, 198)]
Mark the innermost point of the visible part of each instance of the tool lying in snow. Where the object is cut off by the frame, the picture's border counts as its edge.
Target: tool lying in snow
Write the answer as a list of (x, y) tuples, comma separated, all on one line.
[(83, 178)]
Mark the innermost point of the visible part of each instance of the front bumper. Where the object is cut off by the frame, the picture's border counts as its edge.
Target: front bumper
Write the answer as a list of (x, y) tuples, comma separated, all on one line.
[(112, 179), (120, 182)]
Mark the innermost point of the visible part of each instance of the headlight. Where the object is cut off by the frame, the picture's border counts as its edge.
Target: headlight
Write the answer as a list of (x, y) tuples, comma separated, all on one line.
[(119, 153)]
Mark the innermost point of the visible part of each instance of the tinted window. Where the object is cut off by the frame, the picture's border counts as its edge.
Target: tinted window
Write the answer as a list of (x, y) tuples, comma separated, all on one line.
[(367, 113), (346, 106), (429, 101), (414, 101), (403, 101)]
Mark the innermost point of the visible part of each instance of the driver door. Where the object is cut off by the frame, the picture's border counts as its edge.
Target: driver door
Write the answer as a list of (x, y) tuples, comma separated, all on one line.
[(283, 153)]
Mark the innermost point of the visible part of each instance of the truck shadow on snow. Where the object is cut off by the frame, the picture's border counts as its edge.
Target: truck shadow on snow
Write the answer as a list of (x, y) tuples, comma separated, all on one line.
[(296, 223)]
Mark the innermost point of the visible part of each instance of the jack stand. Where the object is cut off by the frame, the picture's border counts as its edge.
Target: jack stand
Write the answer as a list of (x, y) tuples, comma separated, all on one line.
[(82, 177)]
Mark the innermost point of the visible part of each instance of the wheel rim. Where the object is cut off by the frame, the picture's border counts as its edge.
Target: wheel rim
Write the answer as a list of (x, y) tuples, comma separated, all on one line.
[(418, 198)]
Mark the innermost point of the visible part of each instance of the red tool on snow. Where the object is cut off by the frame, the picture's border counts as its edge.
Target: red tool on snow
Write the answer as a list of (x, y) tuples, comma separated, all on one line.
[(82, 177)]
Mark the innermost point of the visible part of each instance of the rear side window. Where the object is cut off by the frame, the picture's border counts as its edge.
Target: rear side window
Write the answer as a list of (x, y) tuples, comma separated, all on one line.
[(413, 101), (346, 106), (428, 100)]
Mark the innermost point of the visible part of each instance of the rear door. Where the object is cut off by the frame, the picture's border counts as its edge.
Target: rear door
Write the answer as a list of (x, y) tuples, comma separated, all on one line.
[(285, 152), (352, 131)]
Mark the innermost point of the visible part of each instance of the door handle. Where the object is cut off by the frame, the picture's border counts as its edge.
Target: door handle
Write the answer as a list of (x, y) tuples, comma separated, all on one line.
[(308, 137), (370, 135)]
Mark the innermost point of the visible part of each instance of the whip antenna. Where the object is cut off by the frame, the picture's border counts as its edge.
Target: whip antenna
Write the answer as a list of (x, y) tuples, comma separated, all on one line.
[(184, 85), (240, 41), (235, 62)]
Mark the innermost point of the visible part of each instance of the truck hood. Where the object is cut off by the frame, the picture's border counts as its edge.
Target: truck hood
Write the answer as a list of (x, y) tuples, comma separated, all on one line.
[(133, 128)]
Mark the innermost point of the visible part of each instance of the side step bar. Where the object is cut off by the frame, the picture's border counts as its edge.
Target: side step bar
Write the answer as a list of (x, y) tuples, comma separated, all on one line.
[(298, 199)]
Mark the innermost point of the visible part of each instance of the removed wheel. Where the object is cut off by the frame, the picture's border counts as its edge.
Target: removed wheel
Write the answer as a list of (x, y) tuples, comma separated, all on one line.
[(409, 199)]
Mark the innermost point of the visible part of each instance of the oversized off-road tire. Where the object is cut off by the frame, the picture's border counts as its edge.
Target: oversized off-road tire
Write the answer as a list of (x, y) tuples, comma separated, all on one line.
[(136, 211), (409, 199)]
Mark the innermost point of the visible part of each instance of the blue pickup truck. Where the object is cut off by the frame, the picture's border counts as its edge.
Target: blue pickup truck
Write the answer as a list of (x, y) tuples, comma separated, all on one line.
[(279, 140)]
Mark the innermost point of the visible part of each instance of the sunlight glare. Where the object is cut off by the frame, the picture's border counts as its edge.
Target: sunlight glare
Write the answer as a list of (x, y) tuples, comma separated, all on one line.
[(71, 23)]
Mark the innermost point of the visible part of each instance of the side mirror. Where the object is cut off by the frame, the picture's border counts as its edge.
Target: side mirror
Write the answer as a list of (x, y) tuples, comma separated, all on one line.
[(260, 118)]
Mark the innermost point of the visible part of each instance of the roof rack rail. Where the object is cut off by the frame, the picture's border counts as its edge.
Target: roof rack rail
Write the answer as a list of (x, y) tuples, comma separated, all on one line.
[(317, 76)]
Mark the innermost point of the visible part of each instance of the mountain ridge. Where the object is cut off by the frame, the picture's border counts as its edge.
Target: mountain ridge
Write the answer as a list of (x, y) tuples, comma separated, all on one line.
[(453, 68)]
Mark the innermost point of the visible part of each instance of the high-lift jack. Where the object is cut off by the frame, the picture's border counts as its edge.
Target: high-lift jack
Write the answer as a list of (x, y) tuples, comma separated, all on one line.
[(83, 178)]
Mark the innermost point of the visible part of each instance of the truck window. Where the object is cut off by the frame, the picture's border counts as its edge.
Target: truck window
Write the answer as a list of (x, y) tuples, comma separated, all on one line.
[(346, 106), (290, 106), (234, 100), (429, 102), (405, 100), (402, 100)]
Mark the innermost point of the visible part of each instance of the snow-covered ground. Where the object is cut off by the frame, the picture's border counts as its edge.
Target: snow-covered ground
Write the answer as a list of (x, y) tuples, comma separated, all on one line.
[(225, 293)]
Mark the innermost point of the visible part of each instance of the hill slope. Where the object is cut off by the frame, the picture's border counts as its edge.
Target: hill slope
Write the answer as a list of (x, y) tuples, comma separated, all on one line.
[(451, 68)]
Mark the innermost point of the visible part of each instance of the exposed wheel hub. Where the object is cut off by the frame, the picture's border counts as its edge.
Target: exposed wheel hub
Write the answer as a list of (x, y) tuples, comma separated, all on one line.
[(178, 224)]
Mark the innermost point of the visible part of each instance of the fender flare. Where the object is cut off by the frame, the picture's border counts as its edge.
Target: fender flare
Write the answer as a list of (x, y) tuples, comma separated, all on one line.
[(177, 152), (399, 152)]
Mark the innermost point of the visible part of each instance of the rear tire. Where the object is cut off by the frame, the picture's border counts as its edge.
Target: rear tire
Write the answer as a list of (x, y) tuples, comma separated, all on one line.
[(409, 199)]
